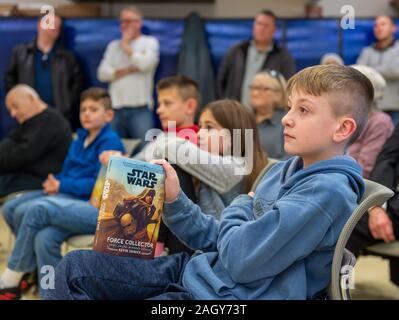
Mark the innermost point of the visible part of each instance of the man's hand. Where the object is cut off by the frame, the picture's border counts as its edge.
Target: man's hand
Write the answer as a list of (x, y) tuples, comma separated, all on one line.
[(380, 225), (172, 184), (126, 40), (51, 185)]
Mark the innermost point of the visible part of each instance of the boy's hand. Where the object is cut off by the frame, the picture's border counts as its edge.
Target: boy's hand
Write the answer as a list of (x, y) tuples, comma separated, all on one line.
[(380, 225), (104, 156), (172, 184), (251, 194), (51, 185)]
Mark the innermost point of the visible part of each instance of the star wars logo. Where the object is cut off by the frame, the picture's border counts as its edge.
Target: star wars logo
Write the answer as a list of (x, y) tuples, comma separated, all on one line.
[(142, 178)]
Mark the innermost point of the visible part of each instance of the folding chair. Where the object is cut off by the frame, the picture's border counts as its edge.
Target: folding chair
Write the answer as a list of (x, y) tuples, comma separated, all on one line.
[(343, 260)]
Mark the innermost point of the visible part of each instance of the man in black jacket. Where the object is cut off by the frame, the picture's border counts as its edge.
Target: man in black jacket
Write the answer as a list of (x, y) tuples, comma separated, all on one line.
[(36, 147), (382, 223), (50, 69), (247, 58)]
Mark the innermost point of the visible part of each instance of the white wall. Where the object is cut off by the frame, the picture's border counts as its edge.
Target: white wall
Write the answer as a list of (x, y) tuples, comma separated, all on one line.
[(239, 8)]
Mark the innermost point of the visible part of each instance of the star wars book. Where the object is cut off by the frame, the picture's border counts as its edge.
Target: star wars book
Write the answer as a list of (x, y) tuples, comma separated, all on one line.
[(95, 198), (131, 208)]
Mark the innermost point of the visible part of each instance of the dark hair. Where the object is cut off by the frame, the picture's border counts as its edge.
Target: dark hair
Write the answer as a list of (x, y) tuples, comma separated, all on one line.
[(270, 13), (231, 114), (353, 90), (186, 87), (97, 94)]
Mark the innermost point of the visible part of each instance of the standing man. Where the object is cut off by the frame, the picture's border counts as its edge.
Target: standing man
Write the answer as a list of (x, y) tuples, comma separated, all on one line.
[(129, 66), (49, 68), (383, 56), (247, 58)]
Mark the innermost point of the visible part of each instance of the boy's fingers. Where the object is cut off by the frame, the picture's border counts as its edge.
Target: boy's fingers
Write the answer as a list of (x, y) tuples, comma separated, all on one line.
[(166, 165), (251, 194)]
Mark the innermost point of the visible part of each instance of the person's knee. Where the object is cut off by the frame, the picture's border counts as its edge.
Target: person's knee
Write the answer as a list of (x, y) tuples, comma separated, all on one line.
[(8, 211), (37, 214)]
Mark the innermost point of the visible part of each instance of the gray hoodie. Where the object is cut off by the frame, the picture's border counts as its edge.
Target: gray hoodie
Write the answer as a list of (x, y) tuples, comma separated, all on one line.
[(386, 62)]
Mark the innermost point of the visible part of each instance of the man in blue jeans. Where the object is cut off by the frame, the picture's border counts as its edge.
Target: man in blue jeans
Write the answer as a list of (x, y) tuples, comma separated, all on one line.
[(129, 66), (42, 220)]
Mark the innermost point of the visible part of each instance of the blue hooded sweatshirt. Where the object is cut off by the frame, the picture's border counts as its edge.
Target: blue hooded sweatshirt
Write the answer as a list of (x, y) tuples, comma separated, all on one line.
[(278, 245), (81, 165)]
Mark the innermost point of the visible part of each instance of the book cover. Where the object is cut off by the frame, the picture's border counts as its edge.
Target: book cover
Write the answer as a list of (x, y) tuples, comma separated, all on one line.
[(95, 198), (131, 207)]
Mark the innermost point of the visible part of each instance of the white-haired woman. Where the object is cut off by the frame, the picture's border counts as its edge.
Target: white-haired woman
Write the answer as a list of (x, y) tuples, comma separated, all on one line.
[(268, 100), (378, 129)]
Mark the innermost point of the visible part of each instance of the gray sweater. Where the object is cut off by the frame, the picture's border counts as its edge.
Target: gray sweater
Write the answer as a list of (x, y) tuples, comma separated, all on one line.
[(386, 62), (221, 177)]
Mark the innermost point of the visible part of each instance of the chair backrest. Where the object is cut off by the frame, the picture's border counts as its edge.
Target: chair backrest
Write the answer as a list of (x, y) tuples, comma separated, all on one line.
[(374, 195)]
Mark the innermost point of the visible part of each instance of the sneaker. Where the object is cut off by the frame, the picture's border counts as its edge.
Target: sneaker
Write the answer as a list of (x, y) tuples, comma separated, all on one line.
[(13, 293), (28, 281)]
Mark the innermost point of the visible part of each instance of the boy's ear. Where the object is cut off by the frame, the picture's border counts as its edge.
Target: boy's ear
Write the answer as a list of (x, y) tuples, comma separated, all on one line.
[(192, 106), (109, 115), (345, 130)]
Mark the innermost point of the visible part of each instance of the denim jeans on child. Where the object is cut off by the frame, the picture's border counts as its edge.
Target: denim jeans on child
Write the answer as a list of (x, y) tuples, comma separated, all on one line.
[(84, 275), (41, 224)]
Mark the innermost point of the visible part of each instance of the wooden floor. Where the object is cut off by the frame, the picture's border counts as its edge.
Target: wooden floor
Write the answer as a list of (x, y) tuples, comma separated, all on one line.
[(371, 274)]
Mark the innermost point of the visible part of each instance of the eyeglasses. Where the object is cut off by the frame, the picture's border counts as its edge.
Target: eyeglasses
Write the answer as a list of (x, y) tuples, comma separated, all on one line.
[(261, 88), (127, 21)]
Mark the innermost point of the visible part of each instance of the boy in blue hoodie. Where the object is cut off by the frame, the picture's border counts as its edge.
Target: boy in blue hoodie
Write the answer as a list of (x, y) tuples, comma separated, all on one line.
[(275, 244), (42, 220)]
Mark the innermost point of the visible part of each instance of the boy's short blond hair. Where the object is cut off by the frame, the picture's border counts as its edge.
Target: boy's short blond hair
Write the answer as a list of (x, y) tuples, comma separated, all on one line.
[(99, 95), (186, 87), (349, 91)]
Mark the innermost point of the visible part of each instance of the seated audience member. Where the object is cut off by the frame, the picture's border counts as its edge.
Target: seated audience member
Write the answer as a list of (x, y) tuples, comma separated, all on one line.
[(381, 224), (42, 220), (378, 129), (36, 147), (50, 68), (276, 243), (268, 100), (332, 58)]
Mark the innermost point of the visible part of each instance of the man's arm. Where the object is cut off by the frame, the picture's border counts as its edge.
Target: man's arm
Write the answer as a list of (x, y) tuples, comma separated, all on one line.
[(147, 59), (11, 74), (106, 71), (32, 145), (384, 171), (223, 74)]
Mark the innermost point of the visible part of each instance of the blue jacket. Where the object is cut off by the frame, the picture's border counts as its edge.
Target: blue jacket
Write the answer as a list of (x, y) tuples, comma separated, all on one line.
[(81, 166), (278, 245)]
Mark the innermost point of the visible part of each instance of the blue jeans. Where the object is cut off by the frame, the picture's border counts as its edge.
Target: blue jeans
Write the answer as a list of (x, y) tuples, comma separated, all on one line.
[(41, 224), (85, 275), (133, 123)]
